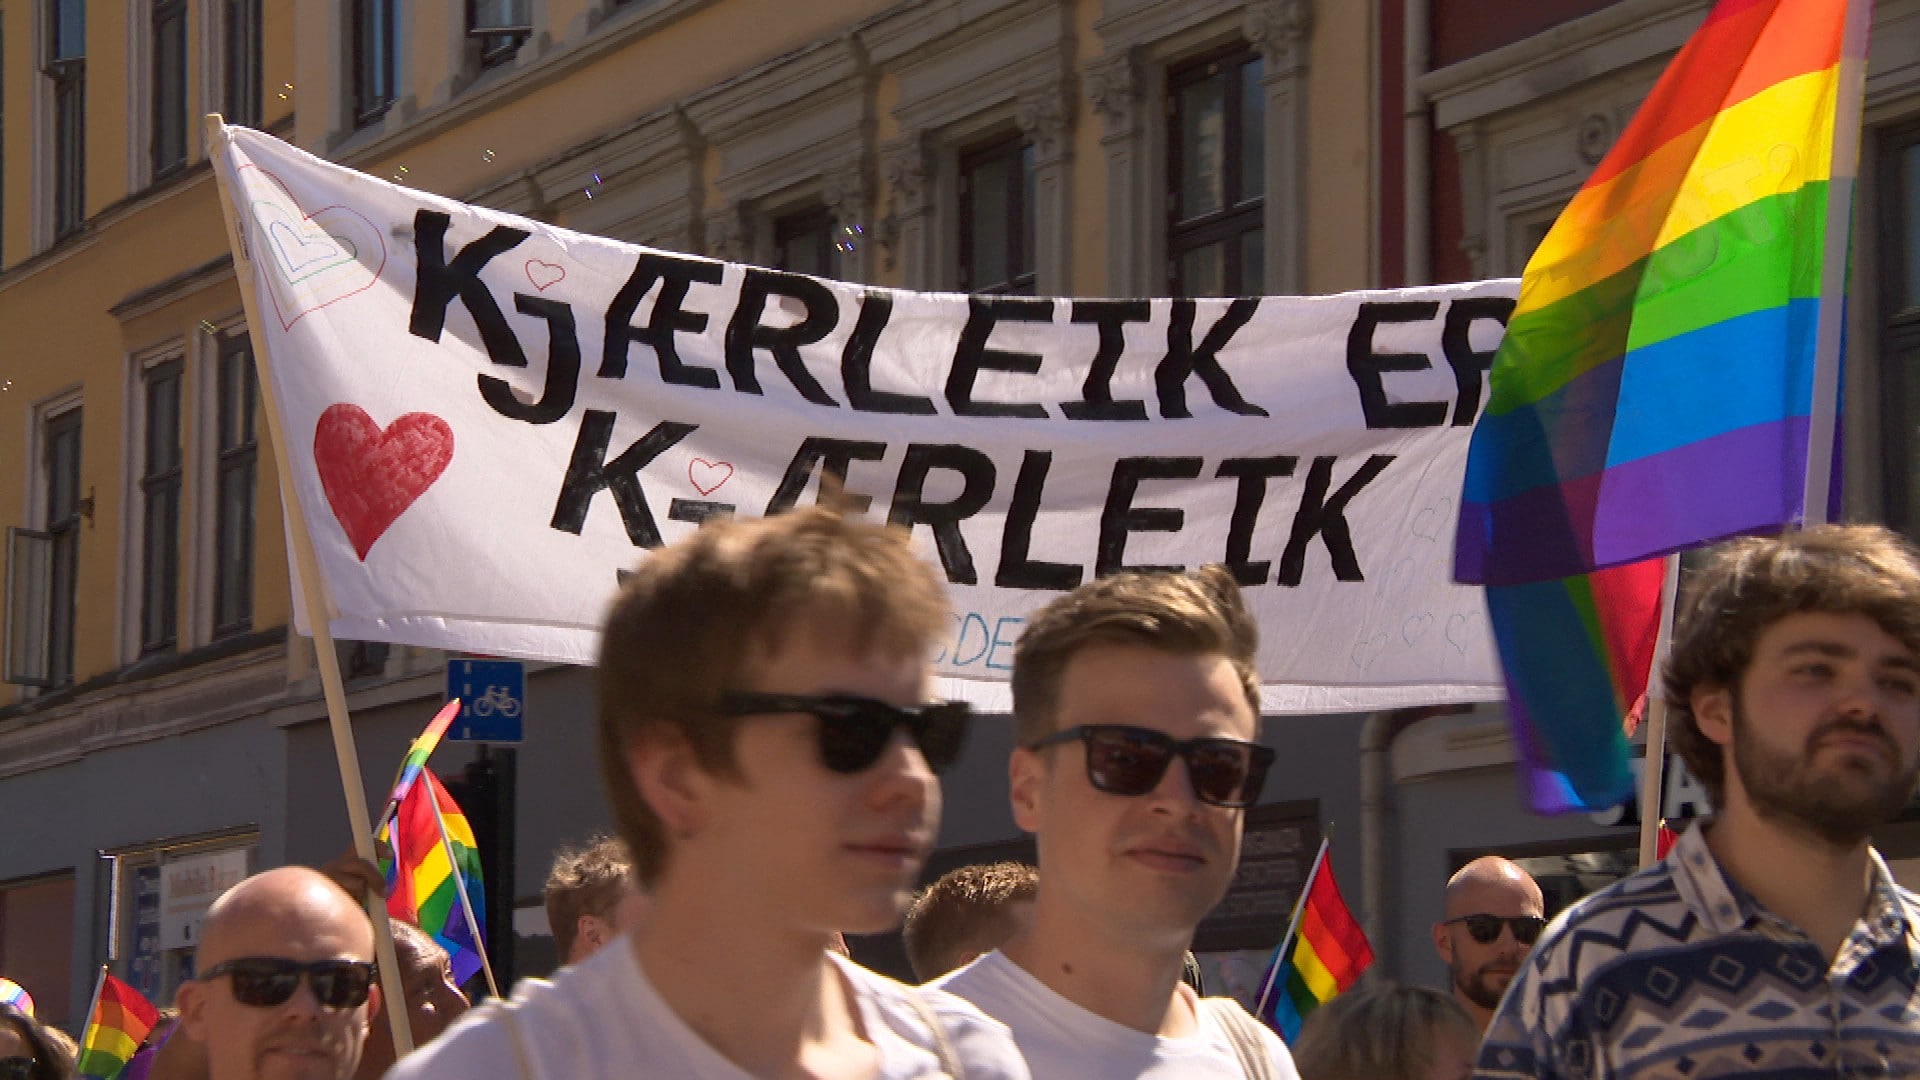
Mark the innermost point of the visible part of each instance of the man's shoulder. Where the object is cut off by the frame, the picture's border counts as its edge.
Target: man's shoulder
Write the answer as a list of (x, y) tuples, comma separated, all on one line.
[(983, 1043), (554, 1023), (1641, 911), (1237, 1024)]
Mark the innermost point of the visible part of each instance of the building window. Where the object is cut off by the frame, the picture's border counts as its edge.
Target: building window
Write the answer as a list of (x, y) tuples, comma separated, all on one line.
[(499, 27), (234, 481), (160, 517), (803, 242), (1899, 229), (365, 659), (374, 28), (66, 69), (169, 146), (36, 944), (42, 565), (240, 46), (1216, 176), (996, 218)]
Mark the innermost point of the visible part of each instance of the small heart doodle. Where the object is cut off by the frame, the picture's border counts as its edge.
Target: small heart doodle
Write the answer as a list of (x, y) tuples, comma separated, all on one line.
[(309, 260), (1462, 631), (371, 476), (707, 476), (1415, 628), (1367, 650), (1430, 522), (545, 275)]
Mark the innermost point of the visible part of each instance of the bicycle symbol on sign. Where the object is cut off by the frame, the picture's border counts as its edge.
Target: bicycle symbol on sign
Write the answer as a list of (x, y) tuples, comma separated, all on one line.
[(496, 699)]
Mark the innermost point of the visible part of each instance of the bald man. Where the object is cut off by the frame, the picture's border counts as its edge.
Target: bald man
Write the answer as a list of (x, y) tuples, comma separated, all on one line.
[(1494, 914), (285, 983)]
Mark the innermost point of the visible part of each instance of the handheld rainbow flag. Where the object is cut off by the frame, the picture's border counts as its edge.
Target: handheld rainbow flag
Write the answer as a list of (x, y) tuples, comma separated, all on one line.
[(434, 879), (1576, 653), (14, 995), (120, 1020), (1674, 351), (1323, 954), (416, 760)]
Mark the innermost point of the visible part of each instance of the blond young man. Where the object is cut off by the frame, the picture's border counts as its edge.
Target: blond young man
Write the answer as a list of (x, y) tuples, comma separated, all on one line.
[(1135, 706), (966, 914), (1772, 941), (768, 746), (589, 893)]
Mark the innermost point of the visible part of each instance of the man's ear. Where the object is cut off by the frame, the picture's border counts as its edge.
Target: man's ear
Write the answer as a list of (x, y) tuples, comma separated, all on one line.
[(1026, 775), (1443, 943), (591, 929), (191, 1000), (375, 1007), (670, 779), (1713, 713)]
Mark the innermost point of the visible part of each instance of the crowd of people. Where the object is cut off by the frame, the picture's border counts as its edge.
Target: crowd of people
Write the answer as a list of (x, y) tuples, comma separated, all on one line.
[(772, 757)]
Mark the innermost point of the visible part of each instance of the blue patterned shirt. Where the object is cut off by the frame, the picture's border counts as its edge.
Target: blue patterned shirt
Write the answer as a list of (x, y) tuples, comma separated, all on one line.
[(1678, 972)]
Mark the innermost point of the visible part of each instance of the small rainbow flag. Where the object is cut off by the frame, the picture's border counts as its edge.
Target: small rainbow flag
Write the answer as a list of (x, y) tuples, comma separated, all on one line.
[(119, 1022), (1576, 653), (15, 996), (1321, 957), (1655, 387), (431, 870), (417, 754)]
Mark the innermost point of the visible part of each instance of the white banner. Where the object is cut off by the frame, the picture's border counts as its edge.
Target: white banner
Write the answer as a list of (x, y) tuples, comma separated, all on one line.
[(490, 418)]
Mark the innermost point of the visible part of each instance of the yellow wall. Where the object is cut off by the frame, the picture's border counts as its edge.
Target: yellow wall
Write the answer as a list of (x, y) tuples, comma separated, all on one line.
[(56, 330)]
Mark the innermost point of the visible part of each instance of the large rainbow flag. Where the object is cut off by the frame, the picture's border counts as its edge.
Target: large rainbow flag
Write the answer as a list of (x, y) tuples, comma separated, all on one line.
[(1323, 957), (121, 1019), (1655, 387), (428, 873)]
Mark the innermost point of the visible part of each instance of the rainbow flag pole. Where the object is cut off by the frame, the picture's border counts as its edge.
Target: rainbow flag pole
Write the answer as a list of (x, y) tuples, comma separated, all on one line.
[(1293, 928), (119, 1019), (466, 905)]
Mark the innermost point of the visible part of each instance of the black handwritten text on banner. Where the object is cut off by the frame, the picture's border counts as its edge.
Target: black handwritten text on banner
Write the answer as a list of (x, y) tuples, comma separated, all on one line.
[(492, 418)]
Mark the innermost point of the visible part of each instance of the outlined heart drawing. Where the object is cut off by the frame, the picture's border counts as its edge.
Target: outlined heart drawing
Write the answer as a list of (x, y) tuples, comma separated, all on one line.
[(309, 260), (371, 476), (707, 476), (544, 274)]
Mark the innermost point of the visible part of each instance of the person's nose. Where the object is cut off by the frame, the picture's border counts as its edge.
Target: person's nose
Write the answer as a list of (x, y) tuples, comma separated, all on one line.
[(904, 779), (1174, 793)]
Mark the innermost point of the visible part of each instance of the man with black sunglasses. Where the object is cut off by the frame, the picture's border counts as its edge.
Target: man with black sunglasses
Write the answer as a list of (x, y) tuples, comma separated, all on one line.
[(1135, 707), (285, 980), (1494, 914), (770, 750)]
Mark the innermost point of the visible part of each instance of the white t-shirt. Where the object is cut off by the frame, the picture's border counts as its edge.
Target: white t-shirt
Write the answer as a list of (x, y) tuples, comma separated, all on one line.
[(603, 1018), (1063, 1041)]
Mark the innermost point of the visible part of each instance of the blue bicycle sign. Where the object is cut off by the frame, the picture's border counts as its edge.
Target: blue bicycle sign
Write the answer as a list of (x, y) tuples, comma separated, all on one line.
[(493, 699)]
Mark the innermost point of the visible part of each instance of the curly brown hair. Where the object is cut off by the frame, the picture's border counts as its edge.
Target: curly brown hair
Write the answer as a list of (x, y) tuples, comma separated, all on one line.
[(964, 913), (1749, 584), (687, 622), (589, 880)]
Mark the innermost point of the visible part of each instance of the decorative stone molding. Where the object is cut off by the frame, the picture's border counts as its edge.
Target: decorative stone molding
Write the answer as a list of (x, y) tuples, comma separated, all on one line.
[(1279, 29), (905, 169), (725, 233), (1045, 116), (1114, 86)]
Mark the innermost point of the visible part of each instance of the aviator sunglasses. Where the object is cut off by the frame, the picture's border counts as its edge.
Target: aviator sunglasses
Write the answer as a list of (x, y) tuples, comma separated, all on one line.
[(267, 981), (1485, 929), (1126, 760), (854, 730)]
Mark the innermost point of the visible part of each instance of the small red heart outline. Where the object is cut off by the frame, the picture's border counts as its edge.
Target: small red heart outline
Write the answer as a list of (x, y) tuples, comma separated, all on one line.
[(372, 475), (544, 274), (708, 468)]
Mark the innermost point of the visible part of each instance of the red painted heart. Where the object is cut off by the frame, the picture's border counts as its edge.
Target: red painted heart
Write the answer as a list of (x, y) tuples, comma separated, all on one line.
[(707, 476), (545, 275), (371, 476)]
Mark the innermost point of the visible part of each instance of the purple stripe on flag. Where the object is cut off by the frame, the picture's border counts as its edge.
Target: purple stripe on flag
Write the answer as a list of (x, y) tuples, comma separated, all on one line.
[(1749, 480)]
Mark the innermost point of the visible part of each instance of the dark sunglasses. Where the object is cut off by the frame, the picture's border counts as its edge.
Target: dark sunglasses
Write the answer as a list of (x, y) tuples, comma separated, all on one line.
[(267, 981), (854, 731), (1126, 760), (1485, 929), (17, 1068)]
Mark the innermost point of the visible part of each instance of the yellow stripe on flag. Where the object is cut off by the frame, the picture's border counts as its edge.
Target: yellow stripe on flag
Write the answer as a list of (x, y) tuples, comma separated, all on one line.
[(1313, 972)]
